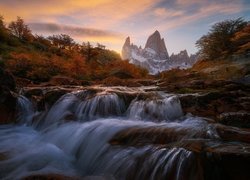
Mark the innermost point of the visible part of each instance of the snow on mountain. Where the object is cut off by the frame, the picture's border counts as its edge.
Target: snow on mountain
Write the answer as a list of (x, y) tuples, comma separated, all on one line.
[(154, 56)]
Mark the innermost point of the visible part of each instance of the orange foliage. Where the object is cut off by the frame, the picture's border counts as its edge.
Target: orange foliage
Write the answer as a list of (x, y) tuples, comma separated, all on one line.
[(33, 66), (76, 68), (41, 67)]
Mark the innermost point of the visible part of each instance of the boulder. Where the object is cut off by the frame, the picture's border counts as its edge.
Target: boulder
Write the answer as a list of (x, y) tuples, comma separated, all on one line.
[(214, 103), (8, 98), (7, 80), (237, 119)]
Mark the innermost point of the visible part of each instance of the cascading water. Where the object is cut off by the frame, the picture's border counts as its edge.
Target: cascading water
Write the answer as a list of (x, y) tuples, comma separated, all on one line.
[(101, 106), (167, 108), (99, 133), (25, 109)]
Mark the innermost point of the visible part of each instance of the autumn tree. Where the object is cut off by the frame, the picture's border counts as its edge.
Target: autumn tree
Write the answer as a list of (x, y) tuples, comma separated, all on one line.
[(1, 22), (241, 41), (62, 41), (41, 43), (19, 29), (5, 33), (217, 42), (2, 29), (87, 51), (100, 46)]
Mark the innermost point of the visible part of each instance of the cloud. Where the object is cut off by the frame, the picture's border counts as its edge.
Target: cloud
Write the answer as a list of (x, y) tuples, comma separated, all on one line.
[(107, 20), (164, 12), (103, 13), (203, 9), (80, 34), (73, 30)]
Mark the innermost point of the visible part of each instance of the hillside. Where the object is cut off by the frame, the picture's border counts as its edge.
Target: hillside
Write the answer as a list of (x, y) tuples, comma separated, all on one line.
[(36, 59)]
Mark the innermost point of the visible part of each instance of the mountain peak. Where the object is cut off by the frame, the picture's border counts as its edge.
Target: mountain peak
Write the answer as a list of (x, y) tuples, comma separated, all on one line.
[(157, 43), (127, 41), (126, 49), (154, 56), (156, 33)]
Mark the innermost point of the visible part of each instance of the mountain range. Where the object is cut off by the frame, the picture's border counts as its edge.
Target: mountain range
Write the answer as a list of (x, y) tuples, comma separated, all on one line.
[(154, 56)]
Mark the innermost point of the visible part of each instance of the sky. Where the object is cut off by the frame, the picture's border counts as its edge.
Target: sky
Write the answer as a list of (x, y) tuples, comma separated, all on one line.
[(180, 22)]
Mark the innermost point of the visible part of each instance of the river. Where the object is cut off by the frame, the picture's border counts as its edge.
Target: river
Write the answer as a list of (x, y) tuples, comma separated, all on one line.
[(118, 133)]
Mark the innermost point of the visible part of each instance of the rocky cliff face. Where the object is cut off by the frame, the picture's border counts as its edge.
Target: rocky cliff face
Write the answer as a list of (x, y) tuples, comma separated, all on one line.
[(126, 50), (154, 56), (182, 59), (157, 44)]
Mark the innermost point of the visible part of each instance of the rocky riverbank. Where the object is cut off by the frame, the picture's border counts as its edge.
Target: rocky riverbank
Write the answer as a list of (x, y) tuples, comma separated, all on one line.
[(200, 125)]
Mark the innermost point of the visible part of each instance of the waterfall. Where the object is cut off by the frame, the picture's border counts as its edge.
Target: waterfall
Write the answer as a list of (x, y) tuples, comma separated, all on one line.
[(167, 108), (83, 106), (83, 149), (100, 106), (119, 133)]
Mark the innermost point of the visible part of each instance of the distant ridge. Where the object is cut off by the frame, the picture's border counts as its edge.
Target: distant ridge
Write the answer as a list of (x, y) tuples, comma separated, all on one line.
[(154, 56)]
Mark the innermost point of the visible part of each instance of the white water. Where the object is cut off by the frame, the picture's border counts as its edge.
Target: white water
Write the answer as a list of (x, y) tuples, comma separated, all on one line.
[(25, 109), (167, 108), (51, 144)]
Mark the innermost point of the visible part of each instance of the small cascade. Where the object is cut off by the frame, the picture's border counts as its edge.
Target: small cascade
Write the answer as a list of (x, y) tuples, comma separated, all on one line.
[(101, 106), (59, 112), (25, 110), (83, 106), (167, 108)]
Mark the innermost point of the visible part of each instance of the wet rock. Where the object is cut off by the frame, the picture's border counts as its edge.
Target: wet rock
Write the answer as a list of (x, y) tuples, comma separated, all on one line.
[(45, 97), (223, 165), (98, 178), (229, 133), (4, 156), (8, 98), (237, 119), (121, 74), (244, 80), (7, 80), (8, 102), (219, 160), (29, 93), (115, 81), (152, 135), (50, 177), (22, 82), (85, 83), (51, 97), (63, 80), (146, 82), (213, 104), (223, 158)]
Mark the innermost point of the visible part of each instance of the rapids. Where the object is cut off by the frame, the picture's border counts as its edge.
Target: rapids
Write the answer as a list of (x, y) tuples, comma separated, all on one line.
[(115, 133)]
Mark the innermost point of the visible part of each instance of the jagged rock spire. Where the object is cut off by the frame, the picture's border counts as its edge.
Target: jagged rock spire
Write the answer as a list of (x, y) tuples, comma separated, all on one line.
[(157, 43), (127, 41), (126, 49)]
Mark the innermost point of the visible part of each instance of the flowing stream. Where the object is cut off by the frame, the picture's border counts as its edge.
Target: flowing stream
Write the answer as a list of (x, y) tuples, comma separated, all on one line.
[(115, 134)]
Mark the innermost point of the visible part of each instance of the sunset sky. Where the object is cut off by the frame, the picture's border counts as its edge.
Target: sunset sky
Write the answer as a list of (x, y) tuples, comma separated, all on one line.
[(109, 22)]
